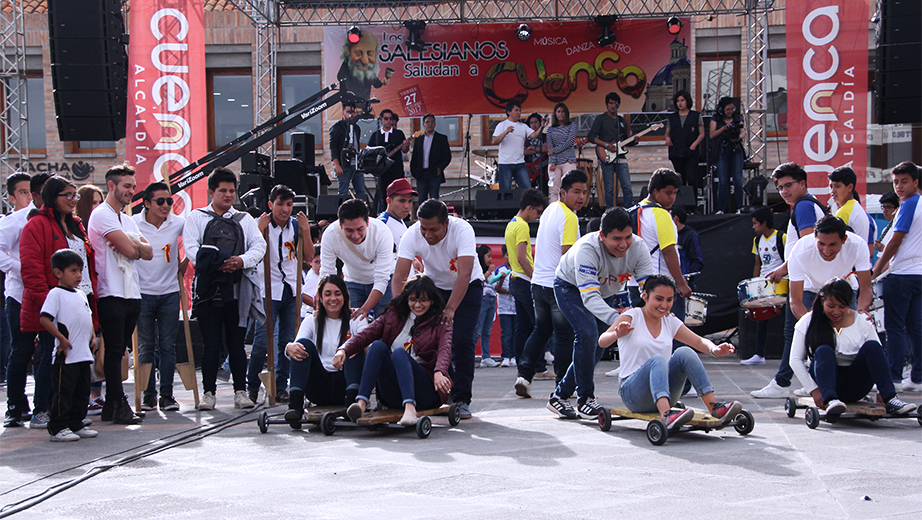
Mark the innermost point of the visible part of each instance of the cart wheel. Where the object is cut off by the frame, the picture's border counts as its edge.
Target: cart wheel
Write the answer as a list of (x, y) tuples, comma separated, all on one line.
[(605, 420), (328, 423), (454, 414), (812, 417), (744, 423), (261, 421), (423, 427), (679, 405), (657, 432), (790, 407), (295, 425), (920, 417)]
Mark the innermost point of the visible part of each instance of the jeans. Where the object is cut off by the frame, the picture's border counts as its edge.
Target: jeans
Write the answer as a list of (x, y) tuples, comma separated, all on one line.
[(729, 162), (761, 337), (21, 348), (5, 340), (220, 326), (853, 382), (117, 319), (785, 372), (549, 322), (351, 176), (584, 344), (506, 172), (428, 184), (358, 293), (903, 320), (659, 377), (485, 325), (462, 341), (506, 335), (284, 316), (319, 386), (524, 314), (624, 178), (399, 378), (158, 324)]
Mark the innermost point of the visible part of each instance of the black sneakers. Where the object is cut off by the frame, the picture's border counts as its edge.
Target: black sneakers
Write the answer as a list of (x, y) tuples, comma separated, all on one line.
[(895, 406), (168, 404), (295, 406), (13, 418), (281, 396), (589, 408), (123, 414), (149, 402), (561, 407)]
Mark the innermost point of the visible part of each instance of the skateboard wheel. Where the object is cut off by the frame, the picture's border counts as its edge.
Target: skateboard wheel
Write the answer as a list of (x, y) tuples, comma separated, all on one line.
[(454, 414), (605, 420), (657, 432), (262, 422), (920, 416), (295, 425), (812, 417), (423, 427), (328, 423), (744, 423), (790, 407)]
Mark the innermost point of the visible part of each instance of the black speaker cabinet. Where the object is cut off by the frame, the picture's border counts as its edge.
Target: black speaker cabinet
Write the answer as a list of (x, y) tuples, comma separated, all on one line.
[(253, 190), (898, 61), (328, 206), (293, 174), (255, 162), (302, 147), (497, 204)]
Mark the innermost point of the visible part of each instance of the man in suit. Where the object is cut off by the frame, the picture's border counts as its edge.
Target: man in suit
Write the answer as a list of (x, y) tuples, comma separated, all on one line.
[(431, 154)]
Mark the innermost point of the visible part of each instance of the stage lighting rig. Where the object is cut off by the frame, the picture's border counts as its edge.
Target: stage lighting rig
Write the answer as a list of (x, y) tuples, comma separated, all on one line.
[(674, 25), (354, 35), (415, 38), (523, 32), (608, 36)]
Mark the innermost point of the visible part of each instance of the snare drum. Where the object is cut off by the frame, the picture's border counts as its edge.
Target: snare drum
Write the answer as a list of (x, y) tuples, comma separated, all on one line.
[(696, 311), (877, 286), (762, 292), (622, 301), (878, 315)]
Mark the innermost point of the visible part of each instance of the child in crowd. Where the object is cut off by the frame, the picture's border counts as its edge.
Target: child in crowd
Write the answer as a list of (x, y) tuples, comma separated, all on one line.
[(309, 286), (505, 305), (487, 308), (66, 315), (768, 248)]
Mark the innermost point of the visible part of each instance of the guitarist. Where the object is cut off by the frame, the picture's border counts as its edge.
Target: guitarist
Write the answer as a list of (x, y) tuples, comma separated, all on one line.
[(392, 139), (607, 130)]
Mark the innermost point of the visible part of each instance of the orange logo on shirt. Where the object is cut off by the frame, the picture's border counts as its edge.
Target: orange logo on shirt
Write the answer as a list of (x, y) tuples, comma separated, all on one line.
[(453, 264), (290, 245), (408, 345), (166, 252)]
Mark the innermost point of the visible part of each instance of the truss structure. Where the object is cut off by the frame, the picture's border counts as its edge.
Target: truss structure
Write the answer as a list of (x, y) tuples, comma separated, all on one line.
[(757, 45), (14, 126)]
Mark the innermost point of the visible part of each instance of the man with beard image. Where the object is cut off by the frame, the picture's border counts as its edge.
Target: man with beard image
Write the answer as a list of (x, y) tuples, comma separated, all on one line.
[(360, 68)]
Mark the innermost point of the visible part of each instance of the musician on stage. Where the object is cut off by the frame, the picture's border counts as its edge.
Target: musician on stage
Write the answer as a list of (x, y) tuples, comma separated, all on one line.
[(684, 133), (344, 135), (391, 138), (511, 136), (431, 155), (607, 130), (561, 145), (536, 153), (725, 129)]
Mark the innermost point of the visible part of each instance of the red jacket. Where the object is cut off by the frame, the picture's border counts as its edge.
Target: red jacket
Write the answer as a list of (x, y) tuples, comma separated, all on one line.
[(41, 237), (431, 341)]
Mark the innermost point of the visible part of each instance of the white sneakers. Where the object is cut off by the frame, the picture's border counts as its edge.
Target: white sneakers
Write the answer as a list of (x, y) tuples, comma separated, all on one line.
[(771, 391), (549, 358), (908, 386), (614, 373), (207, 402), (801, 392), (522, 387), (754, 360), (488, 362), (242, 400), (66, 435)]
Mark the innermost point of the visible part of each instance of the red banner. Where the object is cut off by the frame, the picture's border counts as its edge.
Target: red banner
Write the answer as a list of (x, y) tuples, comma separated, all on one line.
[(827, 55), (477, 69), (167, 118)]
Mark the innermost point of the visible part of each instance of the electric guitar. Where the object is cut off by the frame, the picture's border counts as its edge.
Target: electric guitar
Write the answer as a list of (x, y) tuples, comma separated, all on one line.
[(606, 157), (390, 154)]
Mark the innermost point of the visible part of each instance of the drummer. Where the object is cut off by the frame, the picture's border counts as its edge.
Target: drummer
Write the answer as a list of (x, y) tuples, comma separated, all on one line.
[(768, 248)]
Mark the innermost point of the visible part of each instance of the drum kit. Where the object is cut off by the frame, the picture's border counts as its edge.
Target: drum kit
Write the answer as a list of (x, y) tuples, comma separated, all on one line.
[(762, 298), (488, 178)]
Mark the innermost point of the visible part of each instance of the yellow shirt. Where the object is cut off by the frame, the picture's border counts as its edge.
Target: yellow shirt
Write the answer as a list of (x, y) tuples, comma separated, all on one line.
[(517, 231)]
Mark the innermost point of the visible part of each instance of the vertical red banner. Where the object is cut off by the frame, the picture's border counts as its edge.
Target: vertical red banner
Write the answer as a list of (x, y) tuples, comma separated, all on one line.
[(167, 125), (827, 55)]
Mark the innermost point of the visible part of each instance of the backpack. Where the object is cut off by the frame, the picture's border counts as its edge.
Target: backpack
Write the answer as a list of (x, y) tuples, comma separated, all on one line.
[(779, 244), (794, 212), (634, 211), (225, 233)]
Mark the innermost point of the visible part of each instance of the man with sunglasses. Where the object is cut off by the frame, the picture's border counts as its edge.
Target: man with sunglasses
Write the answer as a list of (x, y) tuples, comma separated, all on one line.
[(791, 181), (391, 138), (160, 292), (607, 130)]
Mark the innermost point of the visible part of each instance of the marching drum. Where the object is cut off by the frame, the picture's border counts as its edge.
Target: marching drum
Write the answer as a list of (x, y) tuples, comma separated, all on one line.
[(696, 311), (762, 292)]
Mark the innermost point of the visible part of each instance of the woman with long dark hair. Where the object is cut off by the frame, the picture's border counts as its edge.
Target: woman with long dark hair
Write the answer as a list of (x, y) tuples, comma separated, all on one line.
[(561, 147), (408, 353), (725, 130), (844, 352), (313, 374), (484, 325), (684, 133), (652, 375)]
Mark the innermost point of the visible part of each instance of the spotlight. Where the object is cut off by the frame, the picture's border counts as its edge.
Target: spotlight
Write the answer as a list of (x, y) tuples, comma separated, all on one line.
[(523, 32), (608, 36), (674, 25), (415, 38), (354, 35)]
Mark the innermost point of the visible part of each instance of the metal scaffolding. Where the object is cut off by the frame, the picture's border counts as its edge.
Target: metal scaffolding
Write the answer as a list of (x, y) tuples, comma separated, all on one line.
[(757, 45), (14, 125)]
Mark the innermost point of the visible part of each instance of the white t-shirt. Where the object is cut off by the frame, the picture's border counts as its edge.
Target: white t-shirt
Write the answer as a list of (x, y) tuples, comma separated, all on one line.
[(70, 309), (806, 265), (309, 288), (848, 341), (512, 149), (330, 342), (857, 218), (639, 345), (404, 338), (159, 274), (658, 231), (113, 280), (505, 303), (77, 244), (440, 261), (767, 251), (282, 244), (558, 228), (908, 219)]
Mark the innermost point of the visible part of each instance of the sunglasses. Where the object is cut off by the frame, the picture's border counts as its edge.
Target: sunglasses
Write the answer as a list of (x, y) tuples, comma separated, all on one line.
[(163, 200)]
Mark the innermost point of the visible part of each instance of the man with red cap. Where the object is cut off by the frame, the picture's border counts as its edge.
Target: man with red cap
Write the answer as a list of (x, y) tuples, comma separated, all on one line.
[(399, 202)]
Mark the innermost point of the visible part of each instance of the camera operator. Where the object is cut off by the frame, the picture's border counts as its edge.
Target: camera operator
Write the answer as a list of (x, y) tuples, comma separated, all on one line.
[(726, 127)]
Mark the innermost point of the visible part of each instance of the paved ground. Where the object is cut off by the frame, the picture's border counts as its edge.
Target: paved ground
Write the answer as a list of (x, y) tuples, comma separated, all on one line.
[(513, 460)]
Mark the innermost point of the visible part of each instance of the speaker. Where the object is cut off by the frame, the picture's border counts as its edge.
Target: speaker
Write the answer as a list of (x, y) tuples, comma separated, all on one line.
[(684, 197), (293, 174), (328, 206), (497, 204), (302, 147), (255, 162), (89, 68), (898, 62), (254, 189)]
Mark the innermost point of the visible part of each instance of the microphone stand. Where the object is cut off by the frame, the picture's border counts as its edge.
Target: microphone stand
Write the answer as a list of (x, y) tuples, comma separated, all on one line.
[(467, 155)]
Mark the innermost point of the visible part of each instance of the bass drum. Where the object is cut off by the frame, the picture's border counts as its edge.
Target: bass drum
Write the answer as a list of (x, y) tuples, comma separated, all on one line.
[(762, 292)]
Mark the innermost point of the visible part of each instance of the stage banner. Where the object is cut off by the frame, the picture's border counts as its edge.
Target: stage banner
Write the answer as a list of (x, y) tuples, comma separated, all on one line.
[(477, 69), (827, 66), (167, 114)]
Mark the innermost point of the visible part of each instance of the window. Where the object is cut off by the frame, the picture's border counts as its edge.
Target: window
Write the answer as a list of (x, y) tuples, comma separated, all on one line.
[(294, 87), (99, 147), (35, 112), (776, 95), (448, 125), (716, 79), (230, 106)]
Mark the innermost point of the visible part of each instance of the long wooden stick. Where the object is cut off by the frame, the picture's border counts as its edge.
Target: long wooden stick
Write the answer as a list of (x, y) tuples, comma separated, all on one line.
[(300, 256), (141, 374), (270, 325), (187, 370)]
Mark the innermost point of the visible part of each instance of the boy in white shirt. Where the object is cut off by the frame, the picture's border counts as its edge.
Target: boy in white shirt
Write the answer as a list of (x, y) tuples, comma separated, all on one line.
[(511, 135), (309, 286), (768, 248), (842, 188), (66, 315)]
